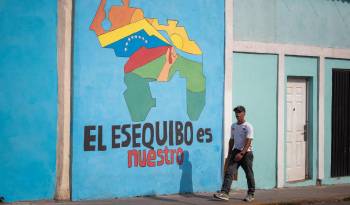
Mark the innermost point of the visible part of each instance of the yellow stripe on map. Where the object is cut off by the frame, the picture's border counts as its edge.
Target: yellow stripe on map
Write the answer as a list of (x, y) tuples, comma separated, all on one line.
[(120, 33)]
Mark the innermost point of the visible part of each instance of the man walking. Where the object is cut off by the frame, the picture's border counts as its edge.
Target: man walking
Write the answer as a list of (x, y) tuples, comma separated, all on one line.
[(239, 154)]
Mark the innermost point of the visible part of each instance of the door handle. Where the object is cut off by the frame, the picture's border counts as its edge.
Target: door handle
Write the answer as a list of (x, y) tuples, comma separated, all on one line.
[(305, 132)]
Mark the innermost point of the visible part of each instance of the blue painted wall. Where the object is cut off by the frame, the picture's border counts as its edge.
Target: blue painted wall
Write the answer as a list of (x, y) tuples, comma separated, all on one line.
[(330, 65), (28, 99), (307, 68), (98, 82), (255, 87), (323, 23)]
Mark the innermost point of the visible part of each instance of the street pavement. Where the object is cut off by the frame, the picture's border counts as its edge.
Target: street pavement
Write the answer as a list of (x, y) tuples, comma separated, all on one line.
[(320, 195), (333, 203)]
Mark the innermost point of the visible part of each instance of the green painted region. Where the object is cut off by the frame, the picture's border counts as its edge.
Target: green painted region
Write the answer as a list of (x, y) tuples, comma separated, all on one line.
[(195, 104), (152, 69), (138, 96), (190, 70)]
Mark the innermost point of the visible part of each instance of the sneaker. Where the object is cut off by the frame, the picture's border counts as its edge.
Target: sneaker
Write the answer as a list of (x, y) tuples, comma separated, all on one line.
[(249, 198), (221, 196)]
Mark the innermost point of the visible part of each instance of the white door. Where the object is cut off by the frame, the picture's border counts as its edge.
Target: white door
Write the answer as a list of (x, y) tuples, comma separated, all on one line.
[(296, 129)]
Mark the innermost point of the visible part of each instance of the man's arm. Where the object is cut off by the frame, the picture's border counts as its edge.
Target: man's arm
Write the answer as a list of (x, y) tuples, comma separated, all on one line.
[(248, 141), (240, 155)]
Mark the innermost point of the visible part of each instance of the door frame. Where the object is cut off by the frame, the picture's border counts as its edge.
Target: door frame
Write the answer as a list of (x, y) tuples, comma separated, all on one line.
[(308, 133)]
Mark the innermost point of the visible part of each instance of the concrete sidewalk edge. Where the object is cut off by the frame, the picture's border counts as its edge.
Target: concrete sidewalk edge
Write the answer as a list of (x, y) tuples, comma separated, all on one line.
[(281, 202), (305, 201)]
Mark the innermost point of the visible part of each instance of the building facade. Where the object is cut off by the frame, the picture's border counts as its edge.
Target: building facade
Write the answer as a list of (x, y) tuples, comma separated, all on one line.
[(105, 99), (291, 51)]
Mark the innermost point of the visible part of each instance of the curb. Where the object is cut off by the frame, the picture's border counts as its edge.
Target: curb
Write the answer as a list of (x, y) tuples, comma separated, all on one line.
[(306, 201)]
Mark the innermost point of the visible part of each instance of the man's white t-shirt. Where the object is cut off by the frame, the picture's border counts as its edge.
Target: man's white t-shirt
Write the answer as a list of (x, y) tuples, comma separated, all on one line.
[(240, 132)]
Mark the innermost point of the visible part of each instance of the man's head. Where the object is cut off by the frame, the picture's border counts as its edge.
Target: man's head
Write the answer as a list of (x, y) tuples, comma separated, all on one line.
[(240, 114)]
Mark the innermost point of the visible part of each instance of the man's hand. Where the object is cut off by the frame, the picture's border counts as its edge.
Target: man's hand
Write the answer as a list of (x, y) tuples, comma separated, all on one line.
[(239, 156)]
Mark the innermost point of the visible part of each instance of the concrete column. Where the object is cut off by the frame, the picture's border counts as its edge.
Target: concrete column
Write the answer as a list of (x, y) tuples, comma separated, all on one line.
[(280, 120), (321, 92), (228, 74), (64, 50)]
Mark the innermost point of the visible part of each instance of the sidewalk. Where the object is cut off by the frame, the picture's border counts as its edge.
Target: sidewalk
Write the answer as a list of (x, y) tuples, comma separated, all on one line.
[(299, 195)]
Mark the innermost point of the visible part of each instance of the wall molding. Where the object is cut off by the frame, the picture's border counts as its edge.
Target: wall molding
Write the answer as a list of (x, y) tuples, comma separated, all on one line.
[(64, 67), (290, 49)]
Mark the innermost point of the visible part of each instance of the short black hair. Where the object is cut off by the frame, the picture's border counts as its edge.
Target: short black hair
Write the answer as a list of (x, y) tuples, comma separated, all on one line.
[(239, 109)]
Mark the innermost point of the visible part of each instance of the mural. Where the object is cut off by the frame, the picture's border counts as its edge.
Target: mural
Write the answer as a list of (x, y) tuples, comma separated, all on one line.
[(152, 52), (147, 97)]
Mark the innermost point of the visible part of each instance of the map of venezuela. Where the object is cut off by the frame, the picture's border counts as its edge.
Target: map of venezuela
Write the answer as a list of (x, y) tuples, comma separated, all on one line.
[(153, 52)]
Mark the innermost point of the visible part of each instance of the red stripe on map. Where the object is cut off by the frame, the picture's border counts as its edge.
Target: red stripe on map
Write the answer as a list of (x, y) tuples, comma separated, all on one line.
[(144, 56)]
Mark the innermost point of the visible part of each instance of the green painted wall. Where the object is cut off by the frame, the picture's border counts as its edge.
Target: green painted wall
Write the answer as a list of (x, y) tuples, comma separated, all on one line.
[(324, 23), (255, 87), (305, 67), (330, 64)]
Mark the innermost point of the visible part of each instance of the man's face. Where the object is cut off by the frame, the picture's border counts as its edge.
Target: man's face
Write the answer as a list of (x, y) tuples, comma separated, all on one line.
[(240, 117)]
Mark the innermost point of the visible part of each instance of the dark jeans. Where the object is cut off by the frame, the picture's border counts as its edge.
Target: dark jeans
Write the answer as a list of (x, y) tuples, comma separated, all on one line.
[(247, 164)]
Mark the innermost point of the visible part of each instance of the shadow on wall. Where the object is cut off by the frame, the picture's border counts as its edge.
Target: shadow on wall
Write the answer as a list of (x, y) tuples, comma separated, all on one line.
[(186, 185)]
